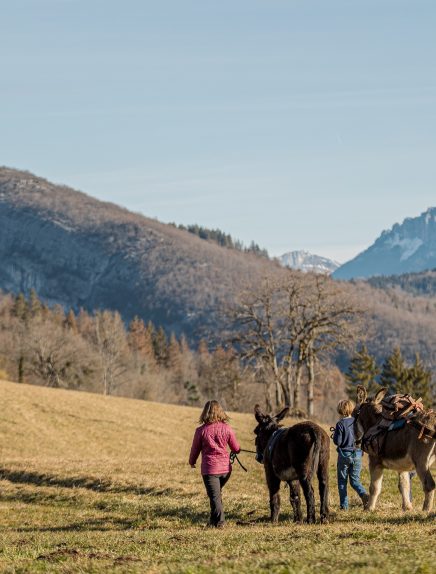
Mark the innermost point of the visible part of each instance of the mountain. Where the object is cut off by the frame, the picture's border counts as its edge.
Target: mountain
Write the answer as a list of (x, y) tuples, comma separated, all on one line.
[(80, 252), (308, 262), (406, 248)]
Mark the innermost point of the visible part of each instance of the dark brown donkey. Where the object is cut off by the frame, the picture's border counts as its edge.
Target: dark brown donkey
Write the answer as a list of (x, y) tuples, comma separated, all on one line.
[(293, 455), (402, 450)]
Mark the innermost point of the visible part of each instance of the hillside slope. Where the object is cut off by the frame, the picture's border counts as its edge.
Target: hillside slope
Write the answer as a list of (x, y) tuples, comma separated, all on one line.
[(39, 422), (81, 252), (101, 484)]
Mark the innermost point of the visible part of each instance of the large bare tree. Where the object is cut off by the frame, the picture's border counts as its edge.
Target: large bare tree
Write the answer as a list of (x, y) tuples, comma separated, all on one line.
[(284, 326)]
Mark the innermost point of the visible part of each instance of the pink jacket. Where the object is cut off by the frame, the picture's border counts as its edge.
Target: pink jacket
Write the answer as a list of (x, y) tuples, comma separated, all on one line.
[(212, 440)]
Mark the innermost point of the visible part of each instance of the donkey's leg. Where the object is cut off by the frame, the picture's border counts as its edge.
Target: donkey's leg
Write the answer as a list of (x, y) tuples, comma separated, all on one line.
[(323, 483), (428, 485), (404, 488), (294, 494), (376, 473), (274, 496), (310, 498)]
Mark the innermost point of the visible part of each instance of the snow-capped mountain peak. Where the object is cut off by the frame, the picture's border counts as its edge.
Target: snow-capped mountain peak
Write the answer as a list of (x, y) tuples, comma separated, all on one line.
[(405, 248), (308, 262)]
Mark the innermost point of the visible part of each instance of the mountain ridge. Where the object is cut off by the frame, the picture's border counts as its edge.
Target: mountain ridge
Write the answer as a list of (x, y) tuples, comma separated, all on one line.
[(407, 247), (74, 249)]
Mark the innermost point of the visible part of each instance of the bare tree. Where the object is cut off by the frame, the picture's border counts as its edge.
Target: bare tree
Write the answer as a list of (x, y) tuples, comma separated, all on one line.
[(268, 321), (331, 319), (54, 354), (285, 326), (110, 339)]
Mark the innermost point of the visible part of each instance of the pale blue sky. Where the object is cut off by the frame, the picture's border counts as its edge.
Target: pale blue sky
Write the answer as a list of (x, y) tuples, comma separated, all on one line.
[(300, 124)]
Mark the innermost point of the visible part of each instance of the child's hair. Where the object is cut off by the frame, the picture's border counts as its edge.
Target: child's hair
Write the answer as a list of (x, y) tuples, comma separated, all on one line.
[(345, 407), (213, 413)]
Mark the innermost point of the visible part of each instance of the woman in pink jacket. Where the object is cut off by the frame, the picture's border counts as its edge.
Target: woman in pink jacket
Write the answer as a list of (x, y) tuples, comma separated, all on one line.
[(211, 439)]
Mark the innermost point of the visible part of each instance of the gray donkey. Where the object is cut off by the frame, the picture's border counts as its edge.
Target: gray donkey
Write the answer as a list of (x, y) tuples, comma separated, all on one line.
[(402, 450)]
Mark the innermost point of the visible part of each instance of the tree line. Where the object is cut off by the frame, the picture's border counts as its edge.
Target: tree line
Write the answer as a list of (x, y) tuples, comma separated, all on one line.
[(398, 376), (223, 239), (97, 352), (283, 338)]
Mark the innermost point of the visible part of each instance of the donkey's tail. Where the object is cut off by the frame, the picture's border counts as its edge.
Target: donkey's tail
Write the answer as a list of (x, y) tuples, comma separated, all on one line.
[(315, 452)]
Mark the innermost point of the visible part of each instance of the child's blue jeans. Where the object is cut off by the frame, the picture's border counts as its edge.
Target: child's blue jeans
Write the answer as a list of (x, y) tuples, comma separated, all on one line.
[(349, 467)]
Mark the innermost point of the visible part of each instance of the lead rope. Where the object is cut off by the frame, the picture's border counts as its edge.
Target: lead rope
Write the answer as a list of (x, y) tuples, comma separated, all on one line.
[(234, 456)]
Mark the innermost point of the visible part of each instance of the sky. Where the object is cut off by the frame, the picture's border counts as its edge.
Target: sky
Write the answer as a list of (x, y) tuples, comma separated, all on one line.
[(299, 124)]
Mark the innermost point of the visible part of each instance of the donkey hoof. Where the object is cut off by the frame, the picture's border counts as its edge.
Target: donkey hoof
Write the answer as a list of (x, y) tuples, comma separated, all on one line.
[(311, 520)]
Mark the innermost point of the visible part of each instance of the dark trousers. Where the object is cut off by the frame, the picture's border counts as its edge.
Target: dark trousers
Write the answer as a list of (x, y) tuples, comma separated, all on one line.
[(214, 483)]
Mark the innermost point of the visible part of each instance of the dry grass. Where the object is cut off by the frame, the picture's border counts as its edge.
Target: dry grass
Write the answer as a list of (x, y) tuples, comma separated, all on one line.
[(101, 484)]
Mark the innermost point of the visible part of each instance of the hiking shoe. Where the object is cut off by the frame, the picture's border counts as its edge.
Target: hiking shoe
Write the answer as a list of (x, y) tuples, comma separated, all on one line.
[(220, 525), (365, 501)]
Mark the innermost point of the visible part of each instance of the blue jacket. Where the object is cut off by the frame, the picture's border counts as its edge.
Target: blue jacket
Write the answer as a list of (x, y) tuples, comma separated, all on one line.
[(344, 435)]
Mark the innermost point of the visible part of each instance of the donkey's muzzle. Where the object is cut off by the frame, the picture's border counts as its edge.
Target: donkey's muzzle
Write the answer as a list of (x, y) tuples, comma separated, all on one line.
[(259, 457)]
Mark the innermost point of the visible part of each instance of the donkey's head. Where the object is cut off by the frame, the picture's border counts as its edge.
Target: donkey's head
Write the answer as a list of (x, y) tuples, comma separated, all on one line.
[(267, 424), (367, 411)]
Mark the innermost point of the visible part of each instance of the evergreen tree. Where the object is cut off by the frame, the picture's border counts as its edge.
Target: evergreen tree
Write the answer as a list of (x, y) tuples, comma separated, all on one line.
[(20, 307), (363, 370), (192, 394), (35, 305), (160, 346), (174, 354), (418, 382), (394, 372)]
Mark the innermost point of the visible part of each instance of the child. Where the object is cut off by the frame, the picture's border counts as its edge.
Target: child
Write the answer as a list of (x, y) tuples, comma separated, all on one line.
[(349, 457), (211, 439)]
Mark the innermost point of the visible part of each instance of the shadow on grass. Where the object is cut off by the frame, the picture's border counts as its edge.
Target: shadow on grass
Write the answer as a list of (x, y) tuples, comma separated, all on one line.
[(96, 524), (39, 497), (90, 483)]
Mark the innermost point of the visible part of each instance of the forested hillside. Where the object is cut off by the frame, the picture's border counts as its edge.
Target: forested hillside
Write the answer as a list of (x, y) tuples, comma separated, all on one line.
[(103, 266), (423, 283), (80, 252)]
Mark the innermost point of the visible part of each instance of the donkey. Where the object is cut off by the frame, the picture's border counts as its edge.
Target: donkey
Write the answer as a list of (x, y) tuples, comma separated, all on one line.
[(401, 450), (293, 454)]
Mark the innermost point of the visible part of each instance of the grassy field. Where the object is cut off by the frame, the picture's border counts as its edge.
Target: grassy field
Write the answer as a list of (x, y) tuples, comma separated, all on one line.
[(102, 484)]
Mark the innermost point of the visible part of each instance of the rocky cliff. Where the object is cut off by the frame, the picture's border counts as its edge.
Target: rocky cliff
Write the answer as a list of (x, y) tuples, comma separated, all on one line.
[(406, 248)]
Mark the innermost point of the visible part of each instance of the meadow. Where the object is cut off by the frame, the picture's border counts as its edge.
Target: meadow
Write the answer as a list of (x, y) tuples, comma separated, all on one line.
[(101, 484)]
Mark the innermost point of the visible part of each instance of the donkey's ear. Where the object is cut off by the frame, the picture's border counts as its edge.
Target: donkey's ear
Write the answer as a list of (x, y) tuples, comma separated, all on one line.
[(380, 395), (281, 415), (362, 394), (258, 414)]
